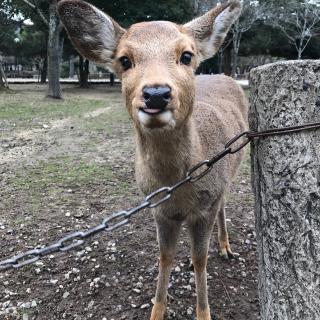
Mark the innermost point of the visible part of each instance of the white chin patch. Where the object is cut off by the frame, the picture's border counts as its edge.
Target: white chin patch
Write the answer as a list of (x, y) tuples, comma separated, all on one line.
[(162, 119)]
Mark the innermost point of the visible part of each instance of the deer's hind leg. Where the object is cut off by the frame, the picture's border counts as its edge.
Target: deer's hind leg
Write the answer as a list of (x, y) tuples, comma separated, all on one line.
[(223, 237)]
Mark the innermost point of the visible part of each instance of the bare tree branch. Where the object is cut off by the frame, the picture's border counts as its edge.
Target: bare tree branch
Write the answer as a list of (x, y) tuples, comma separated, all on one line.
[(41, 14), (251, 13), (297, 21)]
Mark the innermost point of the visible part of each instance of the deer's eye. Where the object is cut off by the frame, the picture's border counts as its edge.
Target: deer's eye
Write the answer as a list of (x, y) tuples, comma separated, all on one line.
[(125, 62), (186, 58)]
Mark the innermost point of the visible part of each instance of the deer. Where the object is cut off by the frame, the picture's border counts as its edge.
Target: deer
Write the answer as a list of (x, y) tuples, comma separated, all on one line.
[(179, 119)]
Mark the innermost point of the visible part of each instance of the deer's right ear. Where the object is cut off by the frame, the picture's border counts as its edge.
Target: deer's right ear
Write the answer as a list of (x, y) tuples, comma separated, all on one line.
[(93, 33)]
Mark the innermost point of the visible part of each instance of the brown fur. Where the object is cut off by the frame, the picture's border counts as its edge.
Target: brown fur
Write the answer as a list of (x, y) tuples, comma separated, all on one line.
[(204, 112)]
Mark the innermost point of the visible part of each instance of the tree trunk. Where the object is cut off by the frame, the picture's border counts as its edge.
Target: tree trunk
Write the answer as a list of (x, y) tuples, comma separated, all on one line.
[(44, 70), (83, 72), (55, 43), (234, 63), (71, 67), (299, 53), (236, 39), (3, 79), (227, 61), (286, 183), (220, 61), (111, 77)]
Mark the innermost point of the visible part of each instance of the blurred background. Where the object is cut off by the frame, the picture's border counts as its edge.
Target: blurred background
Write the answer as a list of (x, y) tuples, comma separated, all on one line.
[(268, 30)]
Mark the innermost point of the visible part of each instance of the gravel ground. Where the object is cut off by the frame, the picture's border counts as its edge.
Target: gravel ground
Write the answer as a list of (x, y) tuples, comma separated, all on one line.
[(66, 165)]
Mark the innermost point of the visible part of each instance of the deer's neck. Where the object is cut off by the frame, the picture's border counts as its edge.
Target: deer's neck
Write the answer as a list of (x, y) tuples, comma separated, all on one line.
[(164, 157)]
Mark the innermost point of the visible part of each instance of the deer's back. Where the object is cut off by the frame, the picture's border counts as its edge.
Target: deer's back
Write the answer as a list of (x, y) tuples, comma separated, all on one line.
[(220, 112)]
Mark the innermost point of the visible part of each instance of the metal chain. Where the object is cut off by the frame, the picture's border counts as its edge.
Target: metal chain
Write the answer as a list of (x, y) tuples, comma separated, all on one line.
[(154, 199)]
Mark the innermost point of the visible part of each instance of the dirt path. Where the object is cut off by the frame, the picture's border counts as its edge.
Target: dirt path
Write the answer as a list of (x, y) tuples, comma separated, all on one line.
[(68, 175), (31, 136)]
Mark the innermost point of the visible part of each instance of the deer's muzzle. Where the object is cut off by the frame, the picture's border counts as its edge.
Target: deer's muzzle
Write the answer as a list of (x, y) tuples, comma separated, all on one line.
[(156, 98)]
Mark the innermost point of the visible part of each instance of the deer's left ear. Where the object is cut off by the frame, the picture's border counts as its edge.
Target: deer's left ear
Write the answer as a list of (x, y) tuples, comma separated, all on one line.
[(211, 29)]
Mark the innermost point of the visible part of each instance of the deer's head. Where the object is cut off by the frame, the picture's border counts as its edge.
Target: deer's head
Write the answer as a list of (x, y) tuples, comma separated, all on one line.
[(156, 61)]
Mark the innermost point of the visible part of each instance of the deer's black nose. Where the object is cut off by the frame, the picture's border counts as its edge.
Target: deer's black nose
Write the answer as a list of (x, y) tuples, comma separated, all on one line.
[(157, 97)]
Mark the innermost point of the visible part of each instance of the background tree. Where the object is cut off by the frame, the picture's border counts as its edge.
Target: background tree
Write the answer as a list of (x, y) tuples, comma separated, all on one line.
[(252, 12), (33, 47), (127, 12), (9, 23), (298, 20), (46, 12)]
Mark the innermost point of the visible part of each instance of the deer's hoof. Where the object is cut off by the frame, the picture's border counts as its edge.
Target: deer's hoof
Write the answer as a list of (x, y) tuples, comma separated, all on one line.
[(203, 314), (158, 311), (227, 254)]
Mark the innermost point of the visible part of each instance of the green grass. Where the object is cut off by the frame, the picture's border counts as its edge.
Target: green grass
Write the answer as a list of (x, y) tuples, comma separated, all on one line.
[(53, 182), (64, 172), (107, 121), (42, 109), (30, 109), (54, 168), (22, 114)]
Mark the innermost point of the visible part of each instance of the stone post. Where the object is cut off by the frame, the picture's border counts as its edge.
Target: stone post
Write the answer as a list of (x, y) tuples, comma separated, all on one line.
[(286, 184)]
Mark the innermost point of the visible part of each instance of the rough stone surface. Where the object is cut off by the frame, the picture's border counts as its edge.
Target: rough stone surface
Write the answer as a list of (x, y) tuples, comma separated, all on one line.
[(286, 183)]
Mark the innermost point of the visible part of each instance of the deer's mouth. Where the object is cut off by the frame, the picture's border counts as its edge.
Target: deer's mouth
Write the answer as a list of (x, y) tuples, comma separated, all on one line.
[(152, 111), (156, 118)]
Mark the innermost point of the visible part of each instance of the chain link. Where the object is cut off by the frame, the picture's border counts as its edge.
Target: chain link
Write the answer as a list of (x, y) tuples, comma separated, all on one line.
[(154, 199)]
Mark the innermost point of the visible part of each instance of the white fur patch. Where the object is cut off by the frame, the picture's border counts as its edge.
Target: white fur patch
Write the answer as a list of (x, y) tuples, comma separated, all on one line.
[(107, 36), (222, 25), (216, 28), (165, 117)]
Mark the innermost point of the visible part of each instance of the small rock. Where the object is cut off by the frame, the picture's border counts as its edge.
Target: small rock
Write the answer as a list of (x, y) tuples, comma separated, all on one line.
[(25, 305), (90, 305), (66, 295), (96, 280), (54, 281), (78, 215), (145, 306), (190, 311), (136, 290)]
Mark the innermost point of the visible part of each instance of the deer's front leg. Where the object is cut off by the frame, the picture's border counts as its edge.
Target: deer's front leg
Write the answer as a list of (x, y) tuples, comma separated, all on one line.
[(200, 232), (168, 232)]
